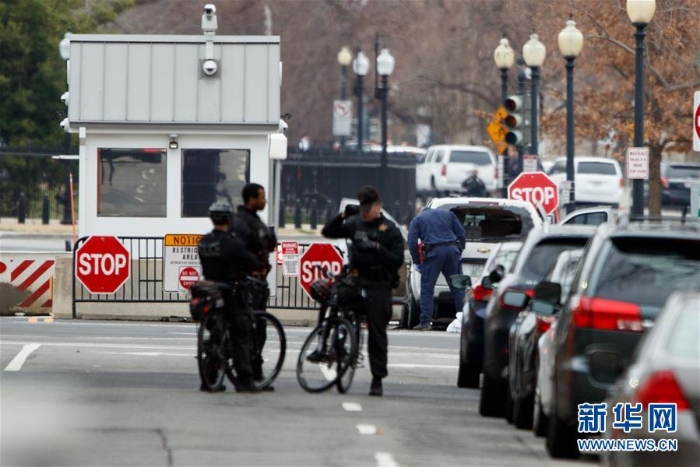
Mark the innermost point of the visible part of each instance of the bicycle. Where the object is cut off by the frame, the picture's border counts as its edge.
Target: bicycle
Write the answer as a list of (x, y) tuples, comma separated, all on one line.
[(331, 353), (214, 340)]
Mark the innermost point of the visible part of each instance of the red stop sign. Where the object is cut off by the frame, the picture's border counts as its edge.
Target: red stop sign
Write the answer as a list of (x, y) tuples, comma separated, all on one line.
[(102, 264), (323, 255), (537, 188)]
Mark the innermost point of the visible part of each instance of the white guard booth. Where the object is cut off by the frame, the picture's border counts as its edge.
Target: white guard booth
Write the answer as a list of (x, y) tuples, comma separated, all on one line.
[(167, 125)]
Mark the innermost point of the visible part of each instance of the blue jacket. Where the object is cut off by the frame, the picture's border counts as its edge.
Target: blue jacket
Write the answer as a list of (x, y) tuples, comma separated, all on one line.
[(434, 226)]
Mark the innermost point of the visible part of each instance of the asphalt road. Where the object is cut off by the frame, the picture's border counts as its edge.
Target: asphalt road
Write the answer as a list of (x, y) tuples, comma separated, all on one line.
[(118, 393)]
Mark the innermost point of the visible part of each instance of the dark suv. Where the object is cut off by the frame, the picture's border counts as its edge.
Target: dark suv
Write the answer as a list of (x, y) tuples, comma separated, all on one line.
[(675, 183), (626, 274), (535, 259)]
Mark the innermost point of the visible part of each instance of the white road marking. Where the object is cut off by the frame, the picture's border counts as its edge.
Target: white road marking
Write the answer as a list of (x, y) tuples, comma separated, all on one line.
[(366, 429), (411, 365), (352, 407), (21, 357), (385, 459), (149, 354)]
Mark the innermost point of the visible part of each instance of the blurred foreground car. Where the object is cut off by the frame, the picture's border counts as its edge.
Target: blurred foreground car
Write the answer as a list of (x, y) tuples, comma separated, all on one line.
[(665, 369), (626, 274), (531, 323), (471, 343), (536, 258)]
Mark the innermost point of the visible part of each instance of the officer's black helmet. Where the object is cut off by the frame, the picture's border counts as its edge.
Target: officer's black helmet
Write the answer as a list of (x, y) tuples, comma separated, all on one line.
[(220, 212)]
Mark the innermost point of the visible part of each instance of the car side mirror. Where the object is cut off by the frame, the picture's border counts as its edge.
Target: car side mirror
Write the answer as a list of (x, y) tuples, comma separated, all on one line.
[(497, 274), (515, 299), (548, 292), (487, 283), (460, 281)]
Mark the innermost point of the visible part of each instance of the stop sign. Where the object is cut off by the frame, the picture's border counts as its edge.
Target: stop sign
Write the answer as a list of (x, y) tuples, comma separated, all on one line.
[(323, 255), (102, 264), (537, 188)]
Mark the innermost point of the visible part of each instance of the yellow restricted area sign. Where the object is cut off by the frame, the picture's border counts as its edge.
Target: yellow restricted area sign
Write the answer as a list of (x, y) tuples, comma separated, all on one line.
[(181, 266), (497, 131)]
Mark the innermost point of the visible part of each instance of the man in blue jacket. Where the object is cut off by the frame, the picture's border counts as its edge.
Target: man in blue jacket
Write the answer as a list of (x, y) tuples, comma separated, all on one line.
[(442, 237)]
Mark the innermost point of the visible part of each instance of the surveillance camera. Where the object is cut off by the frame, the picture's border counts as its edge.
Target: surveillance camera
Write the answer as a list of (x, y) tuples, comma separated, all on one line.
[(210, 67), (209, 9), (64, 97), (65, 124), (283, 126), (209, 24)]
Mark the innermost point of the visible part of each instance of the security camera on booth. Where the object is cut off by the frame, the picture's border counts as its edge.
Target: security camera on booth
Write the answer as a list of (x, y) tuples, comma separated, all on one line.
[(209, 24)]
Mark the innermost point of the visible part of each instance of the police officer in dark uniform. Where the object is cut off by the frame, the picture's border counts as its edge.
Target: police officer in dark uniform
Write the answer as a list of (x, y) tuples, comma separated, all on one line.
[(376, 255), (225, 259), (260, 241), (474, 186)]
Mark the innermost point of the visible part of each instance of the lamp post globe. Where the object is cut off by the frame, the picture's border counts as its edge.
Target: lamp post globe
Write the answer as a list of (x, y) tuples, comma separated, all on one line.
[(640, 13), (570, 42), (345, 56), (385, 66), (534, 53), (504, 57)]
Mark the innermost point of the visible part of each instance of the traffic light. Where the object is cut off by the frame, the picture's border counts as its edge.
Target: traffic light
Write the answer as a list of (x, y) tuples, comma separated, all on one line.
[(515, 120)]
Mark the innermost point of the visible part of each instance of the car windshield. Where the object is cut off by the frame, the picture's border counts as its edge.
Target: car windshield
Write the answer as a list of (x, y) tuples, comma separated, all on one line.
[(600, 168), (544, 256), (683, 171), (471, 157), (483, 223), (646, 270)]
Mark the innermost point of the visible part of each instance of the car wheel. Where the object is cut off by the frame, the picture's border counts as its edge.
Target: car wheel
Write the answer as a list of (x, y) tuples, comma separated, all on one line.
[(491, 400), (539, 419), (468, 376), (522, 412), (411, 312), (561, 437), (509, 406)]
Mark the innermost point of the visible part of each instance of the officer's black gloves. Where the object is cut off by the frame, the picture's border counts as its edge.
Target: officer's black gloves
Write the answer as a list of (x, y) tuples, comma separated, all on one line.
[(351, 210)]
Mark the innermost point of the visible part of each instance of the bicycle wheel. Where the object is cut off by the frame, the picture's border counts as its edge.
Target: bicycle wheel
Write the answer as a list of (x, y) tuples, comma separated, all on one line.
[(211, 361), (319, 374), (269, 347), (348, 358)]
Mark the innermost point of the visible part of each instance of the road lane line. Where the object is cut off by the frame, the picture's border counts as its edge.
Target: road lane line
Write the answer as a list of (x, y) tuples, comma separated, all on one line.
[(352, 407), (366, 429), (21, 357), (385, 459), (412, 365)]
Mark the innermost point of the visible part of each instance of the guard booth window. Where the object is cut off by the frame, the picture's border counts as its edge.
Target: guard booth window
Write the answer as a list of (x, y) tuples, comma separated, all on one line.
[(212, 174), (131, 182)]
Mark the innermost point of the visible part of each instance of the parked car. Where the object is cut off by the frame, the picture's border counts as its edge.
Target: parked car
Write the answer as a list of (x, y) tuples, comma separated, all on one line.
[(536, 258), (487, 222), (626, 274), (598, 180), (445, 167), (525, 334), (590, 216), (675, 183), (666, 367), (471, 343)]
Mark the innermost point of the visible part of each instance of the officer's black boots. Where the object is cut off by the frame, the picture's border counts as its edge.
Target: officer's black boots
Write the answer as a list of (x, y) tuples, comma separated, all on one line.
[(376, 388)]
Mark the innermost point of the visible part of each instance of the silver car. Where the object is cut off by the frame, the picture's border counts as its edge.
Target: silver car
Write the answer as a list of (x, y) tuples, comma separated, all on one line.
[(666, 369)]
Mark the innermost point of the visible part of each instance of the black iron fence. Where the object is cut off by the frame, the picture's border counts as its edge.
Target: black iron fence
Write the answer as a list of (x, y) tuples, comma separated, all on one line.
[(145, 283)]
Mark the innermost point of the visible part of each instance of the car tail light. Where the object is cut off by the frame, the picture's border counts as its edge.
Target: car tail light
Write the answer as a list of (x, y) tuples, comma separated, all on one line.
[(503, 306), (604, 314), (661, 387), (444, 170), (544, 322), (621, 181), (664, 181), (495, 173), (481, 293)]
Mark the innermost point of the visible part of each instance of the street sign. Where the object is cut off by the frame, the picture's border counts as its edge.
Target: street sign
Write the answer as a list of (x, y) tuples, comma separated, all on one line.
[(529, 163), (323, 255), (342, 118), (637, 163), (696, 121), (537, 188), (180, 258), (290, 258), (496, 130), (102, 264)]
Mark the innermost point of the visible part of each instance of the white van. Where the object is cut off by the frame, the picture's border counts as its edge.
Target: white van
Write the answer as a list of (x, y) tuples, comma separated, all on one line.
[(445, 167)]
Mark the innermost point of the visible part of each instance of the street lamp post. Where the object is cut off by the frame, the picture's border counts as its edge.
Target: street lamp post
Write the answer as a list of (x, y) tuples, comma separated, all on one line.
[(504, 58), (64, 50), (361, 67), (570, 44), (385, 66), (344, 60), (534, 52), (640, 13)]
